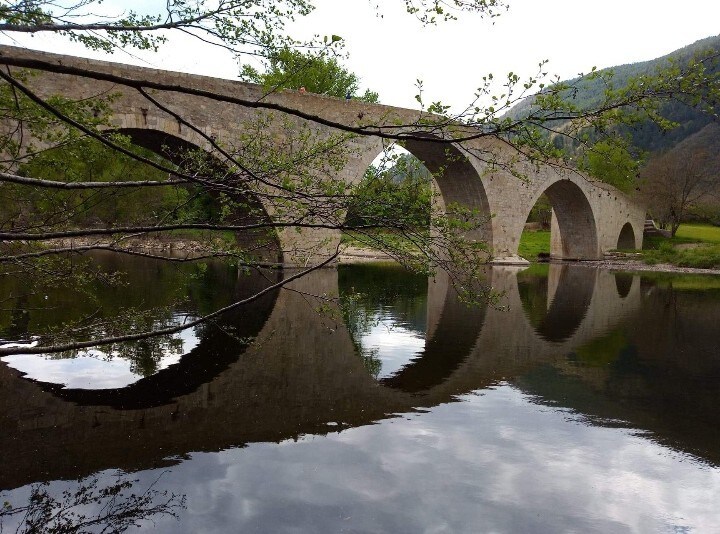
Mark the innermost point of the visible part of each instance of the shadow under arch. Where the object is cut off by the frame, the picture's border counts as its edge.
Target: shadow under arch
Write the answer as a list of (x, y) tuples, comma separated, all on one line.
[(574, 233), (556, 304), (264, 243), (626, 239), (216, 351)]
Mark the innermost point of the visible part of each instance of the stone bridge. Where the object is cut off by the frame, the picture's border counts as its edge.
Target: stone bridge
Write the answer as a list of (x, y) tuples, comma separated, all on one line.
[(589, 218)]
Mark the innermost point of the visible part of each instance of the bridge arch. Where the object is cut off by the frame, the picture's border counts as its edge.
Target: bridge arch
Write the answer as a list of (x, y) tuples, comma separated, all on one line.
[(455, 177), (626, 239), (175, 147), (573, 230)]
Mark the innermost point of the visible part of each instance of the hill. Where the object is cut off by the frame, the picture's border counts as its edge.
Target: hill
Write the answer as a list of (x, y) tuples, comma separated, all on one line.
[(646, 136)]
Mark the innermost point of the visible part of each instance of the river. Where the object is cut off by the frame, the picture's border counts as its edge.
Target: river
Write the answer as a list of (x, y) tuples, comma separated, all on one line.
[(366, 399)]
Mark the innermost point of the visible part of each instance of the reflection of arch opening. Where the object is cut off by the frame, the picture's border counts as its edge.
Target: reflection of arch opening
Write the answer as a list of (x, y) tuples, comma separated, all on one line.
[(216, 351), (448, 340), (626, 240), (263, 242), (446, 348), (573, 231), (623, 283), (556, 304)]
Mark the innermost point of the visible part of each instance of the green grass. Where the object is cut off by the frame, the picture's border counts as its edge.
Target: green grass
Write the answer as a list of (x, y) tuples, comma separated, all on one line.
[(533, 243), (699, 232), (705, 254), (684, 282)]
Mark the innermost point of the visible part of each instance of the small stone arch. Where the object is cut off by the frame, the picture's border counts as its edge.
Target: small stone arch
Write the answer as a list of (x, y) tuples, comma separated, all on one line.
[(626, 239)]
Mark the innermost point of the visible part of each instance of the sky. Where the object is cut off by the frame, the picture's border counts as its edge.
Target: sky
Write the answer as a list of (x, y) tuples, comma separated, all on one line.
[(391, 52)]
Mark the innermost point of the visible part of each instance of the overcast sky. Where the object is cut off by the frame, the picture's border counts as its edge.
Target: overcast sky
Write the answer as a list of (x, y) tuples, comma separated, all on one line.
[(391, 52)]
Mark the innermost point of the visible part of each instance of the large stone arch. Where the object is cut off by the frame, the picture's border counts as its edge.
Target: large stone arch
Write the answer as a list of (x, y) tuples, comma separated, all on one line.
[(173, 142), (455, 177)]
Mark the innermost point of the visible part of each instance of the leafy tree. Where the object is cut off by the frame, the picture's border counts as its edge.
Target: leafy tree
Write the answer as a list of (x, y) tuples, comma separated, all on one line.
[(402, 192), (612, 161), (316, 73)]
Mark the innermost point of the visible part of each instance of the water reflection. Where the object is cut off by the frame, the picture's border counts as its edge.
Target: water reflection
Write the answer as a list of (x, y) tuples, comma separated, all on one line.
[(526, 418), (153, 295), (414, 332), (384, 310), (556, 298)]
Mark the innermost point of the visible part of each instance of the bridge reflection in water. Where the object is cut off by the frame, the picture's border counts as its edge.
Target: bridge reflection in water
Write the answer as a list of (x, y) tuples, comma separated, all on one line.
[(569, 337)]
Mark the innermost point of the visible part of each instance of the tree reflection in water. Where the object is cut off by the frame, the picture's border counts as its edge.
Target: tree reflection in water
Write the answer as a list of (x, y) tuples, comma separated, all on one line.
[(91, 506)]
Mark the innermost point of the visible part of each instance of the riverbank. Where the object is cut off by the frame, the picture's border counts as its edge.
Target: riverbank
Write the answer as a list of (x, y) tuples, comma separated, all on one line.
[(626, 264), (616, 262), (629, 262)]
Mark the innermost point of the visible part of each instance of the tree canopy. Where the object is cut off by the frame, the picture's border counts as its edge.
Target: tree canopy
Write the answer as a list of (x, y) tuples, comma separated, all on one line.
[(321, 74)]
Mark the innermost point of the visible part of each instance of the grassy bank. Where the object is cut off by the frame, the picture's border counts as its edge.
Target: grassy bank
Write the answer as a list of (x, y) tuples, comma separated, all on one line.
[(694, 245)]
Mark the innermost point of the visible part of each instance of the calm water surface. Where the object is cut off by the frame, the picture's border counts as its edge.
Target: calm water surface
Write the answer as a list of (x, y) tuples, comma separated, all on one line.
[(586, 401)]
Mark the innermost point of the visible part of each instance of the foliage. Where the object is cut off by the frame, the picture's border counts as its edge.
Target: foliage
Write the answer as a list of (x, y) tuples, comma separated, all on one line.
[(254, 24), (317, 73), (86, 160), (398, 195), (611, 161)]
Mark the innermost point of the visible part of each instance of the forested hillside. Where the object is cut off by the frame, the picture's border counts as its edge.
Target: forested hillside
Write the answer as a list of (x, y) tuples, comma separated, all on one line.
[(645, 136)]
